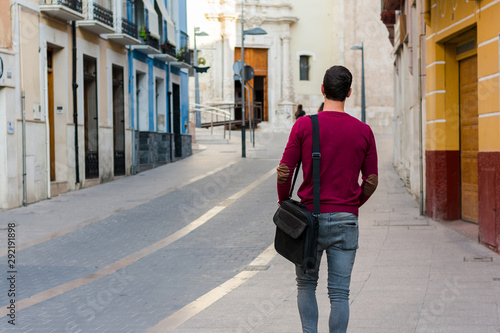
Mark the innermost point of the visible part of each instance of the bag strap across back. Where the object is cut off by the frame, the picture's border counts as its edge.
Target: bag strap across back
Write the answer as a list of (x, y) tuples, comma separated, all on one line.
[(316, 156)]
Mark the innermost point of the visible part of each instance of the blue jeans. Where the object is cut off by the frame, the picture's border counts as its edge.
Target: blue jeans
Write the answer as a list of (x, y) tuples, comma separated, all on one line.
[(338, 235)]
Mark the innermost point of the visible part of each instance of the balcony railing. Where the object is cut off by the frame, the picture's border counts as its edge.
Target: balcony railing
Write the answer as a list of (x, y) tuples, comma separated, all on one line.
[(147, 39), (99, 17), (129, 28), (168, 49), (75, 5), (183, 53), (128, 11), (103, 15), (124, 23)]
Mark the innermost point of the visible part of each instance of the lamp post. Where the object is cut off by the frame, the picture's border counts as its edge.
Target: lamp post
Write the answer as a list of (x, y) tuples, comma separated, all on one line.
[(254, 31), (197, 32), (363, 106)]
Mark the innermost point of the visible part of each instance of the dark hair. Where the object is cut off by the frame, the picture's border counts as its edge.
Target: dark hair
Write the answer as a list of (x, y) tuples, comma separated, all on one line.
[(298, 112), (337, 82)]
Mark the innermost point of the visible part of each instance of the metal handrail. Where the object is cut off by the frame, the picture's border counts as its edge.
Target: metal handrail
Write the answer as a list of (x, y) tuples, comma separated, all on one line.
[(213, 110)]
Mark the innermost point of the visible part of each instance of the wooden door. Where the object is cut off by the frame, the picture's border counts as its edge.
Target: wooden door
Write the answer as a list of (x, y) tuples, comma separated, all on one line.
[(469, 138), (50, 92), (257, 58)]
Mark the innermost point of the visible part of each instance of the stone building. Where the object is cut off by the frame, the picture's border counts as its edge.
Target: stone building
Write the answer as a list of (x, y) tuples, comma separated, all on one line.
[(304, 38), (407, 34)]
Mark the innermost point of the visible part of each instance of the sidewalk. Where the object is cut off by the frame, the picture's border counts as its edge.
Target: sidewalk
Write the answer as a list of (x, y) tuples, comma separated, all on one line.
[(411, 274)]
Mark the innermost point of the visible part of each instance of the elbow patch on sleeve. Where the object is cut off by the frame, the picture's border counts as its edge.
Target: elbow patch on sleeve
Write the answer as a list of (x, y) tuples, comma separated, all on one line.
[(370, 185), (283, 173)]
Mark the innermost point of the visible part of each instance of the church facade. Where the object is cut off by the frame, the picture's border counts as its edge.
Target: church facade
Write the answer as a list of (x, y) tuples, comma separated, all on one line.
[(302, 40)]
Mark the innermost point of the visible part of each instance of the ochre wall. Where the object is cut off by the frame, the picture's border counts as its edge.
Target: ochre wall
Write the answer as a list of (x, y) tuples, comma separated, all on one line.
[(449, 21), (5, 27)]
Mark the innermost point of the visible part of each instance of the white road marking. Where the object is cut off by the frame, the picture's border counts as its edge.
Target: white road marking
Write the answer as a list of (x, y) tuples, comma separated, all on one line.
[(181, 316)]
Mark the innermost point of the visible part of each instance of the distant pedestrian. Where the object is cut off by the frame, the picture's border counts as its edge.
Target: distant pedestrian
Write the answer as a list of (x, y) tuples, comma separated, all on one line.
[(347, 147), (321, 107), (299, 113)]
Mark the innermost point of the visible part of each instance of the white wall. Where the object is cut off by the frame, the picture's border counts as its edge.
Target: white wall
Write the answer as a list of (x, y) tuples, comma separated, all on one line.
[(141, 78), (318, 32), (10, 186), (160, 76), (407, 107)]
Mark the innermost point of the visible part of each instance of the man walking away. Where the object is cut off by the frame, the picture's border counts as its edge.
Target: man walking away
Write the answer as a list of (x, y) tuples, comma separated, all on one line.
[(347, 147)]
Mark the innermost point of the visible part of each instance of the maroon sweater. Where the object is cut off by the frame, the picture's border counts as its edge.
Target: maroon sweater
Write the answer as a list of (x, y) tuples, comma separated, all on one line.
[(347, 148)]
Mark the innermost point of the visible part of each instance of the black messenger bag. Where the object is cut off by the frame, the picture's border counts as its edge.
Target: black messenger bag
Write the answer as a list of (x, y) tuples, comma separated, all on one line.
[(296, 227)]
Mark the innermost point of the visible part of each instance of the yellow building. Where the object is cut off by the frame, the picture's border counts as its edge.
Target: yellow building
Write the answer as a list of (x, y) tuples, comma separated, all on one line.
[(463, 118), (454, 93)]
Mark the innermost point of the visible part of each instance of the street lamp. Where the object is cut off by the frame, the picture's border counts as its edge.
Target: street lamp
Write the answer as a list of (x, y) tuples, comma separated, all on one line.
[(197, 32), (363, 106), (254, 31)]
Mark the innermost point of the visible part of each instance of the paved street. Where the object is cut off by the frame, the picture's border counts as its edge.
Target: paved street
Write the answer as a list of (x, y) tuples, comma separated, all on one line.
[(187, 247)]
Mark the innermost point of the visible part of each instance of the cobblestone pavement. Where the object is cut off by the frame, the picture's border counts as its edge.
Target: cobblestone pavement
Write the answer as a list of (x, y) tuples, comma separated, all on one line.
[(175, 248)]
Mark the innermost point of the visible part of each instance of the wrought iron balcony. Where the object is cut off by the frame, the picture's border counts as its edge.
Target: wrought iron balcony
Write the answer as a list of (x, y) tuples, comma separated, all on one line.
[(183, 53), (169, 49), (150, 41), (99, 18), (75, 5), (149, 44), (129, 28), (103, 15), (126, 33), (168, 53), (67, 10), (125, 26)]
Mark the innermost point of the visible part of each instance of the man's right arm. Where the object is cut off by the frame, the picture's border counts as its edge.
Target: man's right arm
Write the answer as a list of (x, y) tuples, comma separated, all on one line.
[(288, 163), (369, 171)]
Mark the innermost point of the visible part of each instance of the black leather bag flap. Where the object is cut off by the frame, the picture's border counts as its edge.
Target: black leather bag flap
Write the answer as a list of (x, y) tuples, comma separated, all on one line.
[(291, 217)]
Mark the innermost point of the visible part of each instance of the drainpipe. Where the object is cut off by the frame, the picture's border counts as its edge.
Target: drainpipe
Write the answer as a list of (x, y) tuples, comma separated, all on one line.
[(75, 104), (25, 200), (132, 106), (420, 114), (25, 187), (46, 115), (420, 139), (170, 110)]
